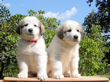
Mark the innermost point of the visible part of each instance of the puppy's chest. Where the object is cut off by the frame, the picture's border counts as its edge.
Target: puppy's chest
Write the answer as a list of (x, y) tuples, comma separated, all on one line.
[(67, 54), (28, 49)]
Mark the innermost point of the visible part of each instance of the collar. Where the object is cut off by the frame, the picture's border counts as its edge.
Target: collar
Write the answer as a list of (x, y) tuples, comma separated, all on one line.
[(33, 41)]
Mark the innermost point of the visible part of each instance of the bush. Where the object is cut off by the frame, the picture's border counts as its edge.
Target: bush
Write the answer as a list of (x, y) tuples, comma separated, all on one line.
[(92, 53), (91, 57), (8, 40), (7, 52)]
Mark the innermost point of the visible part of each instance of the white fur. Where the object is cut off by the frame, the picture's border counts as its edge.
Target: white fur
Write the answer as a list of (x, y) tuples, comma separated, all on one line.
[(63, 54), (32, 57)]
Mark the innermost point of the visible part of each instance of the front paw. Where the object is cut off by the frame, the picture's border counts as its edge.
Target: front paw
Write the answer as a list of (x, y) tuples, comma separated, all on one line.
[(76, 75), (42, 76), (58, 76), (22, 75)]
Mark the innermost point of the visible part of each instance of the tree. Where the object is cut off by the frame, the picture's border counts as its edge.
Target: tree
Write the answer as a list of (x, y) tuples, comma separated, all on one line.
[(8, 40), (92, 53), (103, 14), (4, 13), (90, 20), (102, 18)]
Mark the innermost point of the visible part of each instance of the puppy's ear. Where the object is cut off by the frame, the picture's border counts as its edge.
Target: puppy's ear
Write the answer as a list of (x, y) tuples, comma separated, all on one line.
[(42, 29), (81, 32), (82, 35), (18, 29), (60, 33)]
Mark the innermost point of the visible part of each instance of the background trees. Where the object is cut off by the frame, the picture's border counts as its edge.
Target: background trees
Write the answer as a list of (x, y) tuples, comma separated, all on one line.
[(103, 13), (102, 18), (92, 54), (8, 39)]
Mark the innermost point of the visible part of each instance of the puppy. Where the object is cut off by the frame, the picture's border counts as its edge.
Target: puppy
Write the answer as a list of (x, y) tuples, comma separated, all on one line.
[(31, 50), (63, 52)]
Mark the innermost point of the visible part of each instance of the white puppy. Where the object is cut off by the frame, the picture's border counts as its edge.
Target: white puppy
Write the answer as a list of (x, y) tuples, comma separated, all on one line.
[(31, 51), (63, 51)]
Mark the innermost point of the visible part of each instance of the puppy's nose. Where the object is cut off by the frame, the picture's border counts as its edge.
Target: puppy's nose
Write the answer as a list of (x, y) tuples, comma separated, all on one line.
[(75, 37), (30, 30)]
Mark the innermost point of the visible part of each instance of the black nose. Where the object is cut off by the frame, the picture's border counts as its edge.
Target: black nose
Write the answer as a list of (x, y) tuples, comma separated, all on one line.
[(75, 37), (30, 30)]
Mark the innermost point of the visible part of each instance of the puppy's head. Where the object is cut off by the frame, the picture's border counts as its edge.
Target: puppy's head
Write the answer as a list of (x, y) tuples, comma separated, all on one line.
[(70, 32), (30, 28)]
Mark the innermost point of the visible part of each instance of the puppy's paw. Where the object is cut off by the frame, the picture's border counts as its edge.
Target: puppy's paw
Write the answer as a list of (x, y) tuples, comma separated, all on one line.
[(42, 76), (67, 74), (76, 75), (22, 75), (58, 76)]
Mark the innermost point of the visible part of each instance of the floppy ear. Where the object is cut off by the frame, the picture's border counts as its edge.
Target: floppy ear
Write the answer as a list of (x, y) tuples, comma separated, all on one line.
[(20, 25), (60, 33), (81, 32), (82, 35), (18, 29), (42, 29)]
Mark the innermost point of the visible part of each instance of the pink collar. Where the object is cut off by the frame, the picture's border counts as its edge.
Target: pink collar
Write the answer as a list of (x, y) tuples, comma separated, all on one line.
[(34, 41)]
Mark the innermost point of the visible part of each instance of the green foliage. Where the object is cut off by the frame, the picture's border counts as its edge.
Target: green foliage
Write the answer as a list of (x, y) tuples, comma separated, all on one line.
[(103, 13), (92, 53), (7, 52), (4, 13), (90, 20), (8, 40), (51, 26), (90, 57), (102, 18)]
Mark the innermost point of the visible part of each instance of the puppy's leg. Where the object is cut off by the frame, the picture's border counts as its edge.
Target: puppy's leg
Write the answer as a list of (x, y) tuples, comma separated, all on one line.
[(74, 66), (67, 72), (57, 69), (23, 68), (42, 66), (49, 67)]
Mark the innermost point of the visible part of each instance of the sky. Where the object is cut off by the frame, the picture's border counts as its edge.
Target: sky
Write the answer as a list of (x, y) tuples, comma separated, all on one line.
[(61, 9)]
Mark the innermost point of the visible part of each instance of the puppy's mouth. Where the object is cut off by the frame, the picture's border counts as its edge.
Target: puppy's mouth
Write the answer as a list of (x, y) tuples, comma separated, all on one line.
[(75, 41), (28, 35), (31, 34)]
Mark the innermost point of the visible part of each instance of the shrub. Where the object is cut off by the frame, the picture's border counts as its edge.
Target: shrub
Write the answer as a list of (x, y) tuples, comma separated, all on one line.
[(92, 53)]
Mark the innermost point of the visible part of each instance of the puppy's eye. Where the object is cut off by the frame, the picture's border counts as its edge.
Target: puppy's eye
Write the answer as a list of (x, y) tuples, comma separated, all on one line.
[(26, 25), (77, 30), (21, 26), (69, 30), (35, 25)]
